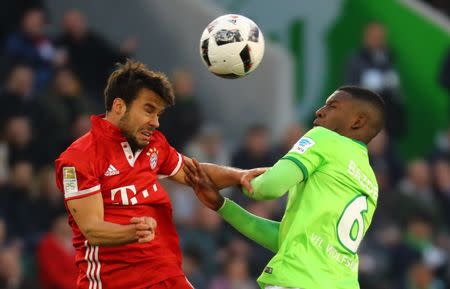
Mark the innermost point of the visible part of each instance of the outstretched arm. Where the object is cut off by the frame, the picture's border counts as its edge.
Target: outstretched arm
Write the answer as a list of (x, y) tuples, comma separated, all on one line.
[(276, 181), (260, 230), (222, 176)]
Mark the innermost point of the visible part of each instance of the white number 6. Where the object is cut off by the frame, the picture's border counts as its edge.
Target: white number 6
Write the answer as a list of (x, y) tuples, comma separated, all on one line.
[(352, 216)]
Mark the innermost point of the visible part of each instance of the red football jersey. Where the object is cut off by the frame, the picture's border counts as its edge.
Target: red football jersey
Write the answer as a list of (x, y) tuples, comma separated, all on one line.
[(101, 161)]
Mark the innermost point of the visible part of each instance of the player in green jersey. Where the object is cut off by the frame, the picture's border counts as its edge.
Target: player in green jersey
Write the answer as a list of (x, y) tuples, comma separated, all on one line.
[(332, 195)]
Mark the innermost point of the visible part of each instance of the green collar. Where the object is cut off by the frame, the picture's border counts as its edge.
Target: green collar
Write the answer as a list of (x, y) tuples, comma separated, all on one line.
[(356, 141), (360, 143)]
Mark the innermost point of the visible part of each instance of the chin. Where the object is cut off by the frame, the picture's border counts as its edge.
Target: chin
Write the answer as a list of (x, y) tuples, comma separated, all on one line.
[(142, 144)]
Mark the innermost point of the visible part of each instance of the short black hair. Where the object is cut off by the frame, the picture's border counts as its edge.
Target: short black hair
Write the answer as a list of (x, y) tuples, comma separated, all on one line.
[(129, 78), (368, 96), (365, 95)]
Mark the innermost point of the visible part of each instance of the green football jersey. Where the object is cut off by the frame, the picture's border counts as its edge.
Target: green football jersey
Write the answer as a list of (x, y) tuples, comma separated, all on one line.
[(326, 216)]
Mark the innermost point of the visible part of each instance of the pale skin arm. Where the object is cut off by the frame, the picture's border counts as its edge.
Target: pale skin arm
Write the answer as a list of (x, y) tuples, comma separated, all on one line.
[(88, 213), (222, 176)]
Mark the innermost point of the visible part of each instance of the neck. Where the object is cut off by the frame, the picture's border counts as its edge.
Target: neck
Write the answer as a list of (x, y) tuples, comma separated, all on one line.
[(356, 137), (115, 120), (111, 118)]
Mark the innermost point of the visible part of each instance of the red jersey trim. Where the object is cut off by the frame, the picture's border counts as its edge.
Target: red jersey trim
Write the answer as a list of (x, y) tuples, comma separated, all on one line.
[(82, 193)]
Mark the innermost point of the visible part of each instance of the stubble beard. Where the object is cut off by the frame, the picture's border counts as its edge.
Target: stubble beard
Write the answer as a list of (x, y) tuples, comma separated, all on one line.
[(128, 133)]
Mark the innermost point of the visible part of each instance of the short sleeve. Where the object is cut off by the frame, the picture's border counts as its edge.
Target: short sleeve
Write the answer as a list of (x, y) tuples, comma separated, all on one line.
[(308, 153), (75, 177), (172, 160)]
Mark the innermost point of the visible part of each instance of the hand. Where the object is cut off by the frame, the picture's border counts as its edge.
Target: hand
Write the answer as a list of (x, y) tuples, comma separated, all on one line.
[(202, 185), (249, 175), (145, 228)]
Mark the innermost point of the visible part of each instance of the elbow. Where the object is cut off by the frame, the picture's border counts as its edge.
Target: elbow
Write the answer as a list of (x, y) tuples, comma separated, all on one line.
[(94, 241), (89, 234)]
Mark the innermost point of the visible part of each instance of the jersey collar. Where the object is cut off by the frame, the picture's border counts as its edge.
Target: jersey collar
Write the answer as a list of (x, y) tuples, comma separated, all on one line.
[(104, 128), (360, 143)]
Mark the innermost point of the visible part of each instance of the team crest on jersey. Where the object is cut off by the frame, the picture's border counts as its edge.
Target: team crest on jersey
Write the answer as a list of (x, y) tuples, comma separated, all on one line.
[(70, 180), (153, 154), (303, 145)]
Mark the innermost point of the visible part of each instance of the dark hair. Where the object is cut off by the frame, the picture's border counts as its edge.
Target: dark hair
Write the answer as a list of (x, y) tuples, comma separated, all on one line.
[(129, 78), (368, 96), (365, 95)]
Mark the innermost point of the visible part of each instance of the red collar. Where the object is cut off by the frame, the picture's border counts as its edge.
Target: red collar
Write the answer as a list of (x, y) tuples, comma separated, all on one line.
[(103, 128)]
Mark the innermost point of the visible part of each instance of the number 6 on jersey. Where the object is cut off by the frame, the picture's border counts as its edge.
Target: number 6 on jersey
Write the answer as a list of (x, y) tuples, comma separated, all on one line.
[(351, 217)]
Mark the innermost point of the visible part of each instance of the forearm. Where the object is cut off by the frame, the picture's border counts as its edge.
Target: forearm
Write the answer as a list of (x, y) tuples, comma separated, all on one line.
[(262, 231), (276, 181), (103, 233), (222, 176)]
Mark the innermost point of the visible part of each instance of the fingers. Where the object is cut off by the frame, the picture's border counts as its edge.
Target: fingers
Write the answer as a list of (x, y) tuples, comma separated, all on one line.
[(246, 184), (190, 174), (142, 226), (191, 180), (145, 236), (136, 220), (196, 163), (250, 175), (145, 228), (200, 172), (258, 171), (189, 166), (203, 177), (152, 222)]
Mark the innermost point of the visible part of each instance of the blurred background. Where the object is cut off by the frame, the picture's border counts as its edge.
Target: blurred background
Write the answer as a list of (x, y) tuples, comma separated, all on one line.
[(56, 55)]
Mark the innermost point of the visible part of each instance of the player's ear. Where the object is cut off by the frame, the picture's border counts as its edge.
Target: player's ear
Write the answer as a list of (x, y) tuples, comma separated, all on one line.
[(119, 106), (359, 121)]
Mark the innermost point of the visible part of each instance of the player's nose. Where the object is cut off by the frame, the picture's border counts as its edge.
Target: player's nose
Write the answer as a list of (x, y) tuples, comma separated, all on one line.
[(154, 121), (320, 112)]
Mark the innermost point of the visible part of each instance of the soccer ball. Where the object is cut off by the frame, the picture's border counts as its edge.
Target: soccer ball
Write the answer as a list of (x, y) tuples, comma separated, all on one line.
[(232, 46)]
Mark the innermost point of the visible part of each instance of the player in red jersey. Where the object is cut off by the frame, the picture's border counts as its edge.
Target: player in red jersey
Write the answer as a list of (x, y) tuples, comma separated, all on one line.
[(120, 214)]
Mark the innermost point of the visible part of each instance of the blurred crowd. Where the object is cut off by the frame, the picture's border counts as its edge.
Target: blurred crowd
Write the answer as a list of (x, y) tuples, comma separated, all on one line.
[(50, 84)]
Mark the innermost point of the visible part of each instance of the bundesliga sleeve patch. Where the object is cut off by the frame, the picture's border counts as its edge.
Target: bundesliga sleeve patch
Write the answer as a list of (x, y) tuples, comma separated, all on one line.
[(70, 180), (303, 145)]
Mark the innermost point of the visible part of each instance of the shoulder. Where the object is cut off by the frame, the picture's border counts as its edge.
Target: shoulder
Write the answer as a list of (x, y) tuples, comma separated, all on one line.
[(320, 133), (158, 135), (317, 139), (81, 150), (158, 138)]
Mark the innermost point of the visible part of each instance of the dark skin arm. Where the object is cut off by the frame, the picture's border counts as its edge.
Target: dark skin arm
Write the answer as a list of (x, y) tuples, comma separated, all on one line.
[(206, 191), (221, 176), (263, 231)]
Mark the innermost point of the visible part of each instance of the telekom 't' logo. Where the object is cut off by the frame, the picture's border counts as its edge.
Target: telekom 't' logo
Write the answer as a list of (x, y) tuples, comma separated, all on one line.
[(124, 191)]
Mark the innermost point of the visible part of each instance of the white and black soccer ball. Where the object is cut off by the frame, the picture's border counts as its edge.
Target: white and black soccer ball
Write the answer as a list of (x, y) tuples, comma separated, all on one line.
[(232, 46)]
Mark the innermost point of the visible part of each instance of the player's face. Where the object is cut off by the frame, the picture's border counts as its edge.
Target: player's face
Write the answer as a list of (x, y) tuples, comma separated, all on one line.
[(337, 113), (142, 118)]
